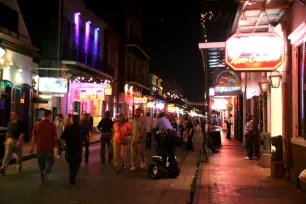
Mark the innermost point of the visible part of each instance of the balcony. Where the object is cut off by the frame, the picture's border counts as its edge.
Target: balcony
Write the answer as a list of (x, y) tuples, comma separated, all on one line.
[(134, 45), (15, 35), (142, 82), (72, 53)]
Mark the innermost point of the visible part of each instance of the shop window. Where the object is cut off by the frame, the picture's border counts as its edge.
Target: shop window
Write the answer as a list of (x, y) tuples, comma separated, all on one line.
[(302, 90)]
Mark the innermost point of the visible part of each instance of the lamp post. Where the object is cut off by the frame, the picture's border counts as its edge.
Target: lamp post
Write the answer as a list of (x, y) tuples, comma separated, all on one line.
[(275, 79), (264, 86)]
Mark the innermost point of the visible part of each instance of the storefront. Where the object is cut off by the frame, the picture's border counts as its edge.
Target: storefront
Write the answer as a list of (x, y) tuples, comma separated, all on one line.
[(155, 106), (174, 109)]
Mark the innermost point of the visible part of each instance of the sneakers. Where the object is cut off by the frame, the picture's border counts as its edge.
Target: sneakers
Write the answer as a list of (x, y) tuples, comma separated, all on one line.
[(133, 168), (2, 172), (247, 158), (58, 156)]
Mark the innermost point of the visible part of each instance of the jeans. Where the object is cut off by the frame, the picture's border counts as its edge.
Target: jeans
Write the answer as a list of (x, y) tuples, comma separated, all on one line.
[(45, 161), (86, 149), (250, 144), (74, 160), (106, 140), (138, 148), (10, 148)]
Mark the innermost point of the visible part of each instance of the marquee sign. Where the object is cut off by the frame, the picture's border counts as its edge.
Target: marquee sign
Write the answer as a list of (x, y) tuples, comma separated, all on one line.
[(254, 51), (52, 85), (92, 94), (140, 100)]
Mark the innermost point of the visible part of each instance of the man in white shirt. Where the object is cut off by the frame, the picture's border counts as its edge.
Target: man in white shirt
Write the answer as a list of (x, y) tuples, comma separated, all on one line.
[(148, 123)]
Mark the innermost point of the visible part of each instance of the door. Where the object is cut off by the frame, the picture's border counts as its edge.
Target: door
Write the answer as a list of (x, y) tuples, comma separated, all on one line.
[(256, 120), (77, 107)]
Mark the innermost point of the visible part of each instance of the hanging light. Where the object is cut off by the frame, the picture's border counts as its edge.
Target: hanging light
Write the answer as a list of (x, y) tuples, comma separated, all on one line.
[(275, 79), (264, 85)]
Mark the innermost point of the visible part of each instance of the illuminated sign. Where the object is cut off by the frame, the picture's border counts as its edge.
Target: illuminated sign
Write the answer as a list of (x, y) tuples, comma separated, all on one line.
[(52, 85), (171, 108), (219, 104), (160, 105), (254, 51), (92, 94), (2, 52), (108, 91), (211, 91), (150, 105), (227, 83), (140, 100)]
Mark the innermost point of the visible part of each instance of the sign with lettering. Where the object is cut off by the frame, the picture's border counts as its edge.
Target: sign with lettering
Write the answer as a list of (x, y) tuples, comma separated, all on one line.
[(227, 83), (254, 51), (140, 100), (52, 85), (108, 90), (92, 94)]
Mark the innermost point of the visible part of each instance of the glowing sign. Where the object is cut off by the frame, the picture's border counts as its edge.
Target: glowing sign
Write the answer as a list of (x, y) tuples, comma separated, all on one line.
[(219, 104), (140, 100), (223, 89), (171, 108), (52, 85), (108, 91), (92, 94), (254, 51), (211, 91)]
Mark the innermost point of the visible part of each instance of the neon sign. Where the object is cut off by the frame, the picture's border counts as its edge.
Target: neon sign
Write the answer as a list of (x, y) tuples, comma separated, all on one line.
[(254, 51), (224, 89), (92, 94), (140, 100), (52, 85)]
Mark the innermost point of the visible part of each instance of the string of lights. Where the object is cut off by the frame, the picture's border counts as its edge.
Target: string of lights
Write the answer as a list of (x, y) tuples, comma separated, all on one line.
[(205, 17), (88, 80)]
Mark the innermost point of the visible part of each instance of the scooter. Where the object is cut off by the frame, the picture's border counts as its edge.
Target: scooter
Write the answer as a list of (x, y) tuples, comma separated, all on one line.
[(157, 168)]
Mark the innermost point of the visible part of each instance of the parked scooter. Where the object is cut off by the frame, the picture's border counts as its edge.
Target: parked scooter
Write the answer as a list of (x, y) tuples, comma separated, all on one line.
[(158, 168)]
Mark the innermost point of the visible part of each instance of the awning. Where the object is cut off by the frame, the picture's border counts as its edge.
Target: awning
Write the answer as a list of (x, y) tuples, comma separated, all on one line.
[(38, 99)]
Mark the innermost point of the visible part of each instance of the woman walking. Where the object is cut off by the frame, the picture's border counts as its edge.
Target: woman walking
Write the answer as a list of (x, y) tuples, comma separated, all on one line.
[(121, 131), (59, 123)]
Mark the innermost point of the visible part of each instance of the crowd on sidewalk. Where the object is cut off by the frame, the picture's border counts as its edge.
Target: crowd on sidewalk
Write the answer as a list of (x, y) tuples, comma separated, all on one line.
[(69, 135)]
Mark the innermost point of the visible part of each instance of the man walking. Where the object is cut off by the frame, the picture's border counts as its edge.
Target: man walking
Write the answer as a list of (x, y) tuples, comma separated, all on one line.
[(229, 124), (138, 141), (74, 135), (249, 136), (13, 142), (148, 123), (45, 136), (59, 123), (106, 128)]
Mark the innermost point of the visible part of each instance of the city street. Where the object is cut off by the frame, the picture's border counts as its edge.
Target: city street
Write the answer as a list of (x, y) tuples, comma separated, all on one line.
[(98, 183)]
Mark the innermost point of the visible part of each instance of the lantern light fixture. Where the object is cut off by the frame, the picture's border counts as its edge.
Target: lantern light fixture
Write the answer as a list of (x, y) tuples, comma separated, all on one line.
[(275, 79), (264, 84)]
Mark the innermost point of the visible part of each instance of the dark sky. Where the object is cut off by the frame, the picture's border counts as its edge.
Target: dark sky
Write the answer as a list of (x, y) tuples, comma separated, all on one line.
[(172, 33)]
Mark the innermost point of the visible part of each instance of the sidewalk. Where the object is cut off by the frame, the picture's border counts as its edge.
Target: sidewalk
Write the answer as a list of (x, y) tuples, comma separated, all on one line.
[(228, 178), (27, 146)]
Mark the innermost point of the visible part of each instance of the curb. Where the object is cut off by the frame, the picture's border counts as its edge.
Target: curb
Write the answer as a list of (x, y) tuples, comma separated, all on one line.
[(195, 185), (34, 156)]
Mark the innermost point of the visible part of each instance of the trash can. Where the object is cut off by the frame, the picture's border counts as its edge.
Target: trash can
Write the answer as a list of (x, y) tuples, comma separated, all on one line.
[(277, 154), (2, 139)]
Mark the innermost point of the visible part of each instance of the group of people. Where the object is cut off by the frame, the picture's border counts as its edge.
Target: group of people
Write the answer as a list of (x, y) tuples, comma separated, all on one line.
[(72, 133)]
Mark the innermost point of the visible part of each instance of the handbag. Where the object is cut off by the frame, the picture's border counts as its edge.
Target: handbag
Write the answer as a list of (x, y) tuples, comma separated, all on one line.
[(124, 139)]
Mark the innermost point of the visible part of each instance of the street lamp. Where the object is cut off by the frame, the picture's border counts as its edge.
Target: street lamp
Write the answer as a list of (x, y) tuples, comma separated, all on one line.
[(275, 79), (2, 51), (264, 85)]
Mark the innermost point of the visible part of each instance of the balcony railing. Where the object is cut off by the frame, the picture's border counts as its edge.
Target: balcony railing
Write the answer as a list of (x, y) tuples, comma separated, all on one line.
[(15, 35), (71, 52), (142, 81)]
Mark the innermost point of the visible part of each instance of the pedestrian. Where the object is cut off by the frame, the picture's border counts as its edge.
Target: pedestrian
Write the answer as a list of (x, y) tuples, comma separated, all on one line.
[(13, 142), (249, 134), (138, 141), (120, 139), (59, 123), (148, 123), (45, 137), (74, 136), (105, 126), (87, 125), (190, 133), (228, 122)]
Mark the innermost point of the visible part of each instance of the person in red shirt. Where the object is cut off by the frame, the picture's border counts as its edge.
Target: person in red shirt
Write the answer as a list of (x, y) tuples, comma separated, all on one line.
[(45, 136)]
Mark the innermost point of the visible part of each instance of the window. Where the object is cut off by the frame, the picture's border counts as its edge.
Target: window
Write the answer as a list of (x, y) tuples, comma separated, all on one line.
[(301, 90)]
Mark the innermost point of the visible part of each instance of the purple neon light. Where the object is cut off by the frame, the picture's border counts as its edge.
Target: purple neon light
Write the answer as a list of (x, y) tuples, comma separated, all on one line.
[(96, 48), (77, 29)]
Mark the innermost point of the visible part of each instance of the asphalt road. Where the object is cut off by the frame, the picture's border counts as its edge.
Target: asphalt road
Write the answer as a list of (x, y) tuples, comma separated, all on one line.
[(97, 183)]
